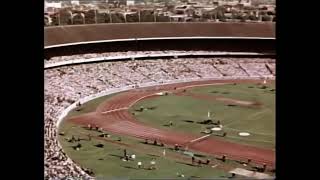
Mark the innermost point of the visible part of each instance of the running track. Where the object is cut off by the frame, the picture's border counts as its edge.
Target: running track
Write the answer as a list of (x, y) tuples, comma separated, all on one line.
[(119, 120)]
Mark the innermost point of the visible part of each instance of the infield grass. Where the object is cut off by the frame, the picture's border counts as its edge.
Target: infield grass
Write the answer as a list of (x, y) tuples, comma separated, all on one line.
[(181, 110), (106, 162)]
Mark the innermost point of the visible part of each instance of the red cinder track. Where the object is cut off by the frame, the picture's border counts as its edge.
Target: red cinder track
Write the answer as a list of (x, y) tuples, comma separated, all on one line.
[(122, 122)]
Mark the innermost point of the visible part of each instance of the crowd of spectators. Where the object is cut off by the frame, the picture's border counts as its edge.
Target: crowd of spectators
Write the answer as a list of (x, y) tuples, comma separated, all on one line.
[(116, 54), (65, 85)]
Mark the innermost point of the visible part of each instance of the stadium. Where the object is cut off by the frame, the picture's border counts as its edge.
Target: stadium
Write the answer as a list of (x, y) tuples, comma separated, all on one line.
[(162, 100)]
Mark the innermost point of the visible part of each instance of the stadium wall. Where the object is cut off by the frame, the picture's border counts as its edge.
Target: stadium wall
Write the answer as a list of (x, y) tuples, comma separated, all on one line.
[(84, 33), (236, 37)]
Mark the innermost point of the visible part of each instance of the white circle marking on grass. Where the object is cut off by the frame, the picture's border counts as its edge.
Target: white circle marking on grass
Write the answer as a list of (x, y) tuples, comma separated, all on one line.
[(244, 134)]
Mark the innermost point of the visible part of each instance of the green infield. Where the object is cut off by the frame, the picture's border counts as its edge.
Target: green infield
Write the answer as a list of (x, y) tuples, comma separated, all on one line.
[(186, 111), (107, 161)]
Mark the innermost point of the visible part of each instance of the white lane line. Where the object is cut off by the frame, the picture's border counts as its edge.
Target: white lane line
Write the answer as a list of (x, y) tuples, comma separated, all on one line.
[(142, 98), (113, 110), (126, 126), (202, 137)]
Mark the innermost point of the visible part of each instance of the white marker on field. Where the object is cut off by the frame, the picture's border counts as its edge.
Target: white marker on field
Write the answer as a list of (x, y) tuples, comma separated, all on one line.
[(244, 134), (105, 112), (202, 137)]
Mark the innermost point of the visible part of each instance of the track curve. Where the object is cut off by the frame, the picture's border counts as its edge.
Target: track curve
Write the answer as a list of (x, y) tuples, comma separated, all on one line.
[(113, 116)]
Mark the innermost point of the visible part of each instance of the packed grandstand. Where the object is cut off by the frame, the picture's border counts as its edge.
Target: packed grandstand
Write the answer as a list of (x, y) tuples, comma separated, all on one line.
[(65, 85)]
